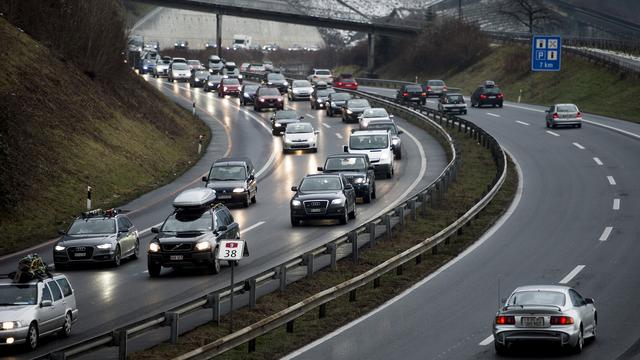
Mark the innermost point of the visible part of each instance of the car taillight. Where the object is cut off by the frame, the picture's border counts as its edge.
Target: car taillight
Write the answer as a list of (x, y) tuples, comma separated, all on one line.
[(339, 83), (505, 320), (500, 96), (424, 94), (405, 94), (555, 115), (561, 320), (445, 88), (578, 115), (483, 96), (428, 88)]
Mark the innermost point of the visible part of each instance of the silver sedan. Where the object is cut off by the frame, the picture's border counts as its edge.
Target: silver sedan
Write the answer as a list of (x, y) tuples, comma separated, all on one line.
[(547, 313)]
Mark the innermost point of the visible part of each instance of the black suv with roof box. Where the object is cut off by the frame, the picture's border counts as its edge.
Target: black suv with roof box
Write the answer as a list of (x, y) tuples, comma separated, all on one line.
[(487, 94)]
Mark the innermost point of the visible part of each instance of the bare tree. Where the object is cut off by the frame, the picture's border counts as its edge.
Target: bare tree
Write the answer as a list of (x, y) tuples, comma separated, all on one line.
[(530, 13)]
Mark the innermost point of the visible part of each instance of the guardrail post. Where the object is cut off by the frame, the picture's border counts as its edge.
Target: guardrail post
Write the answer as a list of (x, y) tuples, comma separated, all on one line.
[(322, 311), (418, 259), (353, 295), (309, 260), (424, 199), (387, 225), (252, 293), (213, 301), (412, 207), (434, 250), (353, 238), (252, 345), (290, 326), (120, 337), (333, 251), (376, 283), (283, 277), (399, 270), (400, 215), (371, 230), (173, 318)]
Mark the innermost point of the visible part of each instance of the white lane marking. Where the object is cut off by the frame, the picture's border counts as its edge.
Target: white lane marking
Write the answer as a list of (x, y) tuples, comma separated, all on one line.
[(492, 114), (522, 122), (578, 146), (486, 341), (605, 234), (597, 160), (612, 181), (311, 116), (483, 239), (616, 204), (552, 133), (339, 136), (252, 227), (572, 274), (326, 125)]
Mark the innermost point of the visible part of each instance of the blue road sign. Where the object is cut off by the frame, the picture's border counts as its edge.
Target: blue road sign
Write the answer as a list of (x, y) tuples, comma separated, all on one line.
[(546, 53)]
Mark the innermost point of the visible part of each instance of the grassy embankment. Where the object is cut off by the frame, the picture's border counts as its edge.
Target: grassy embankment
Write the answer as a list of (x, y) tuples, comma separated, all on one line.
[(61, 131), (474, 176)]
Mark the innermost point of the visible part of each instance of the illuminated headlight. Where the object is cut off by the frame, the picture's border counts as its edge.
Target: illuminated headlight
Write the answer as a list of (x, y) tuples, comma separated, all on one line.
[(395, 141), (349, 111), (246, 95), (104, 246), (279, 99), (224, 88), (278, 125), (261, 100), (59, 248), (145, 67), (269, 83), (336, 201), (239, 76), (359, 180), (176, 44), (295, 203), (204, 245), (210, 83), (238, 190), (154, 247), (319, 100), (8, 325), (286, 83)]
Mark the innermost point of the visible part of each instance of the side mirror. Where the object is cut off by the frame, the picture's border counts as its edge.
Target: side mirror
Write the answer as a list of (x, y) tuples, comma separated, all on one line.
[(316, 132), (294, 188), (301, 118), (252, 177), (400, 132), (204, 178), (155, 230), (348, 187), (345, 148), (391, 116), (320, 168), (588, 301), (123, 230), (222, 228), (62, 232), (46, 303)]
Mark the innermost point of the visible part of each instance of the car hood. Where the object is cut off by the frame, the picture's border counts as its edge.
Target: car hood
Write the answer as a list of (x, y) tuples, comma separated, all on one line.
[(185, 238), (347, 174), (277, 82), (86, 240), (302, 136), (318, 195), (357, 109), (17, 313), (303, 89), (286, 121), (217, 184)]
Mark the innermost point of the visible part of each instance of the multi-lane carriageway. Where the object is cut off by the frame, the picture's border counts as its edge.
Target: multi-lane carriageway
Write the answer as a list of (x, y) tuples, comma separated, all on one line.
[(573, 222)]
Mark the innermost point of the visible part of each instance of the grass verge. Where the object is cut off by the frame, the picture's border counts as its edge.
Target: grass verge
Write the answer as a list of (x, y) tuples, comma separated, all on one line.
[(475, 174)]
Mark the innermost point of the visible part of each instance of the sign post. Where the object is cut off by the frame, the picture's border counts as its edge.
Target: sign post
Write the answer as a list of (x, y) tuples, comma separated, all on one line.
[(232, 251), (546, 52)]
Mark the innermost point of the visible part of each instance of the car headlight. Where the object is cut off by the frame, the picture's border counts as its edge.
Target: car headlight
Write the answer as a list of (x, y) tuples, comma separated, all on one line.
[(295, 203), (239, 76), (154, 247), (336, 201), (280, 99), (286, 83), (210, 83), (238, 190), (104, 246), (224, 88), (319, 101), (359, 180), (261, 100), (395, 141), (349, 111), (204, 245), (269, 83), (8, 325), (59, 248), (278, 125)]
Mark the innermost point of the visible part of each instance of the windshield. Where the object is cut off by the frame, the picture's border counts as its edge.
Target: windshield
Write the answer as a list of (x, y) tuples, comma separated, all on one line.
[(275, 77), (373, 113), (231, 82), (269, 92), (202, 74), (388, 127), (537, 298), (251, 88), (323, 93), (194, 62), (323, 72), (92, 226), (187, 221), (18, 294), (301, 83), (180, 66), (286, 114), (215, 77), (320, 183), (239, 41), (224, 173), (299, 128), (345, 164), (340, 96), (359, 103), (368, 142), (230, 67), (567, 108)]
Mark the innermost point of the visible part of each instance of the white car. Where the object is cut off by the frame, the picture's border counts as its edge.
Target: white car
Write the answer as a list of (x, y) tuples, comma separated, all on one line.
[(30, 310), (300, 136), (321, 75), (300, 89), (378, 145), (215, 64), (373, 114), (179, 72)]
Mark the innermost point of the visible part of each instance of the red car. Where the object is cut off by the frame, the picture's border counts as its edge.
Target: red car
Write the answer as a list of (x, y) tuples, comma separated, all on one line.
[(346, 81), (268, 97), (229, 87)]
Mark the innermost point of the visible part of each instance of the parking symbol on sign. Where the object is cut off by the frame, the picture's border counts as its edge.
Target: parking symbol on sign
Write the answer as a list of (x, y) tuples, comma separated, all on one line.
[(541, 43), (540, 55), (552, 55)]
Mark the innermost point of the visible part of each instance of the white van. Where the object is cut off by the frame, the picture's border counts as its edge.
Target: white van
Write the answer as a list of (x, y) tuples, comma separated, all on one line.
[(378, 145)]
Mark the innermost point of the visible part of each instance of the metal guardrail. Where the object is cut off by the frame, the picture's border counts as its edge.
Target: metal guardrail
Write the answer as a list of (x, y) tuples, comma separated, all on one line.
[(348, 244)]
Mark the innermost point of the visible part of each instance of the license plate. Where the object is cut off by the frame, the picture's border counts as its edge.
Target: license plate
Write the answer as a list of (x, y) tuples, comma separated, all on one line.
[(492, 97), (315, 210), (533, 321), (81, 254), (176, 257), (224, 196)]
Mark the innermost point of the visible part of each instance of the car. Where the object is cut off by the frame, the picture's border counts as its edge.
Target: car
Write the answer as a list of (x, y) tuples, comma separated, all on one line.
[(281, 119), (295, 47), (300, 136), (211, 44), (319, 97), (411, 93), (268, 98), (154, 45), (248, 94), (357, 169), (335, 101), (563, 114), (352, 108), (378, 145), (181, 44), (270, 47), (148, 65), (191, 233), (162, 67), (452, 102), (215, 64), (487, 94), (244, 66), (275, 80), (268, 65), (257, 68), (231, 71), (195, 65), (97, 236), (389, 125), (213, 83), (37, 308), (320, 85), (346, 81), (228, 87), (178, 60), (299, 89), (434, 87), (320, 75), (545, 313), (323, 196), (199, 78), (372, 114), (234, 181), (179, 72)]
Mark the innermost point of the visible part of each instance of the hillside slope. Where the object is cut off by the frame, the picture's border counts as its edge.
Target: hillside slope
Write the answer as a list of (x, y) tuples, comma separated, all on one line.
[(61, 131)]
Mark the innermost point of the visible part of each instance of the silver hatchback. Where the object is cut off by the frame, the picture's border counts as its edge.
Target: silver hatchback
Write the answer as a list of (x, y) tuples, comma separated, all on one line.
[(547, 313), (563, 114), (34, 309)]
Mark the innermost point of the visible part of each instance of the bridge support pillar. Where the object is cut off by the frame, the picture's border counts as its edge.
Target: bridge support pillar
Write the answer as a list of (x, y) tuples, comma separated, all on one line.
[(370, 55), (219, 34)]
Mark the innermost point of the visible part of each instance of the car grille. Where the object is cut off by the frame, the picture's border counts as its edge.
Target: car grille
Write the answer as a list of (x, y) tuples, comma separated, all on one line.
[(76, 252), (316, 206), (177, 247)]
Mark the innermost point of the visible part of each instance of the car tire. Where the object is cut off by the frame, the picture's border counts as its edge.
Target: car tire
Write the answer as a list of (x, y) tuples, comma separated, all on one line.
[(214, 267), (253, 199), (389, 173), (352, 215), (245, 201), (345, 219), (329, 112), (577, 348), (136, 250), (65, 331), (366, 198), (314, 150), (579, 126), (154, 269), (32, 336), (547, 124), (500, 348), (464, 112), (501, 105), (553, 125), (117, 257), (399, 155), (294, 222)]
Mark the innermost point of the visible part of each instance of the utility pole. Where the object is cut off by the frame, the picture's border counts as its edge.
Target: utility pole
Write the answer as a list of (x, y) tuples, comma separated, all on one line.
[(460, 10)]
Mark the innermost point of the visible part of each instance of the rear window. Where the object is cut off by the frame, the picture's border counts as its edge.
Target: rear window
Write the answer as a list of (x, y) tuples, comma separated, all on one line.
[(537, 298), (275, 77), (348, 80), (180, 66), (340, 96), (567, 108), (413, 88), (492, 91), (359, 103), (323, 72), (435, 82)]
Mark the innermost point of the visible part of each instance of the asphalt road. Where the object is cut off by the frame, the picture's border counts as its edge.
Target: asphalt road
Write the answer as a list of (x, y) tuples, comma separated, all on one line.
[(577, 215), (109, 298)]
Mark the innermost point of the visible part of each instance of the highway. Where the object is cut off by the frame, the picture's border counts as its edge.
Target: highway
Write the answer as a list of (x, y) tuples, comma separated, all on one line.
[(574, 222), (112, 297)]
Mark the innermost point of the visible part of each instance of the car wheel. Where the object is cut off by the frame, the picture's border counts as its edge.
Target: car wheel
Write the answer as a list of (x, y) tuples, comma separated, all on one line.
[(136, 250), (353, 214), (32, 336), (579, 126), (399, 155), (464, 112), (389, 174), (329, 113), (154, 269), (500, 105), (577, 348), (345, 219), (366, 198), (547, 124), (500, 348), (66, 327), (214, 266), (553, 125), (245, 201), (117, 257), (294, 222)]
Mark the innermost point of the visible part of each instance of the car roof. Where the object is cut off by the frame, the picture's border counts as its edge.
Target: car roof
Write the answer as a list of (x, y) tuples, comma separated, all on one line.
[(9, 281), (370, 132), (559, 288), (344, 155), (233, 160), (323, 174)]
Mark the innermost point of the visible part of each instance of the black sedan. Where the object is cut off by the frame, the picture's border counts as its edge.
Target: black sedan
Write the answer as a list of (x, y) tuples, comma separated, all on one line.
[(199, 78), (323, 196), (248, 94), (357, 169), (335, 101), (319, 97), (281, 119), (213, 83), (351, 109), (276, 80)]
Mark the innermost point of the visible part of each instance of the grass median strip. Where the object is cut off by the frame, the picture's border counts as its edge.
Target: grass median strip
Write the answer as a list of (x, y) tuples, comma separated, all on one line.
[(476, 173)]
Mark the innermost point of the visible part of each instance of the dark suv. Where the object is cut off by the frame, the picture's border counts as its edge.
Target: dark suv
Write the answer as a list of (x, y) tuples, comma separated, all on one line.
[(191, 234), (353, 108), (323, 196), (487, 94), (234, 181), (412, 93), (357, 169), (276, 80), (281, 118), (335, 101)]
